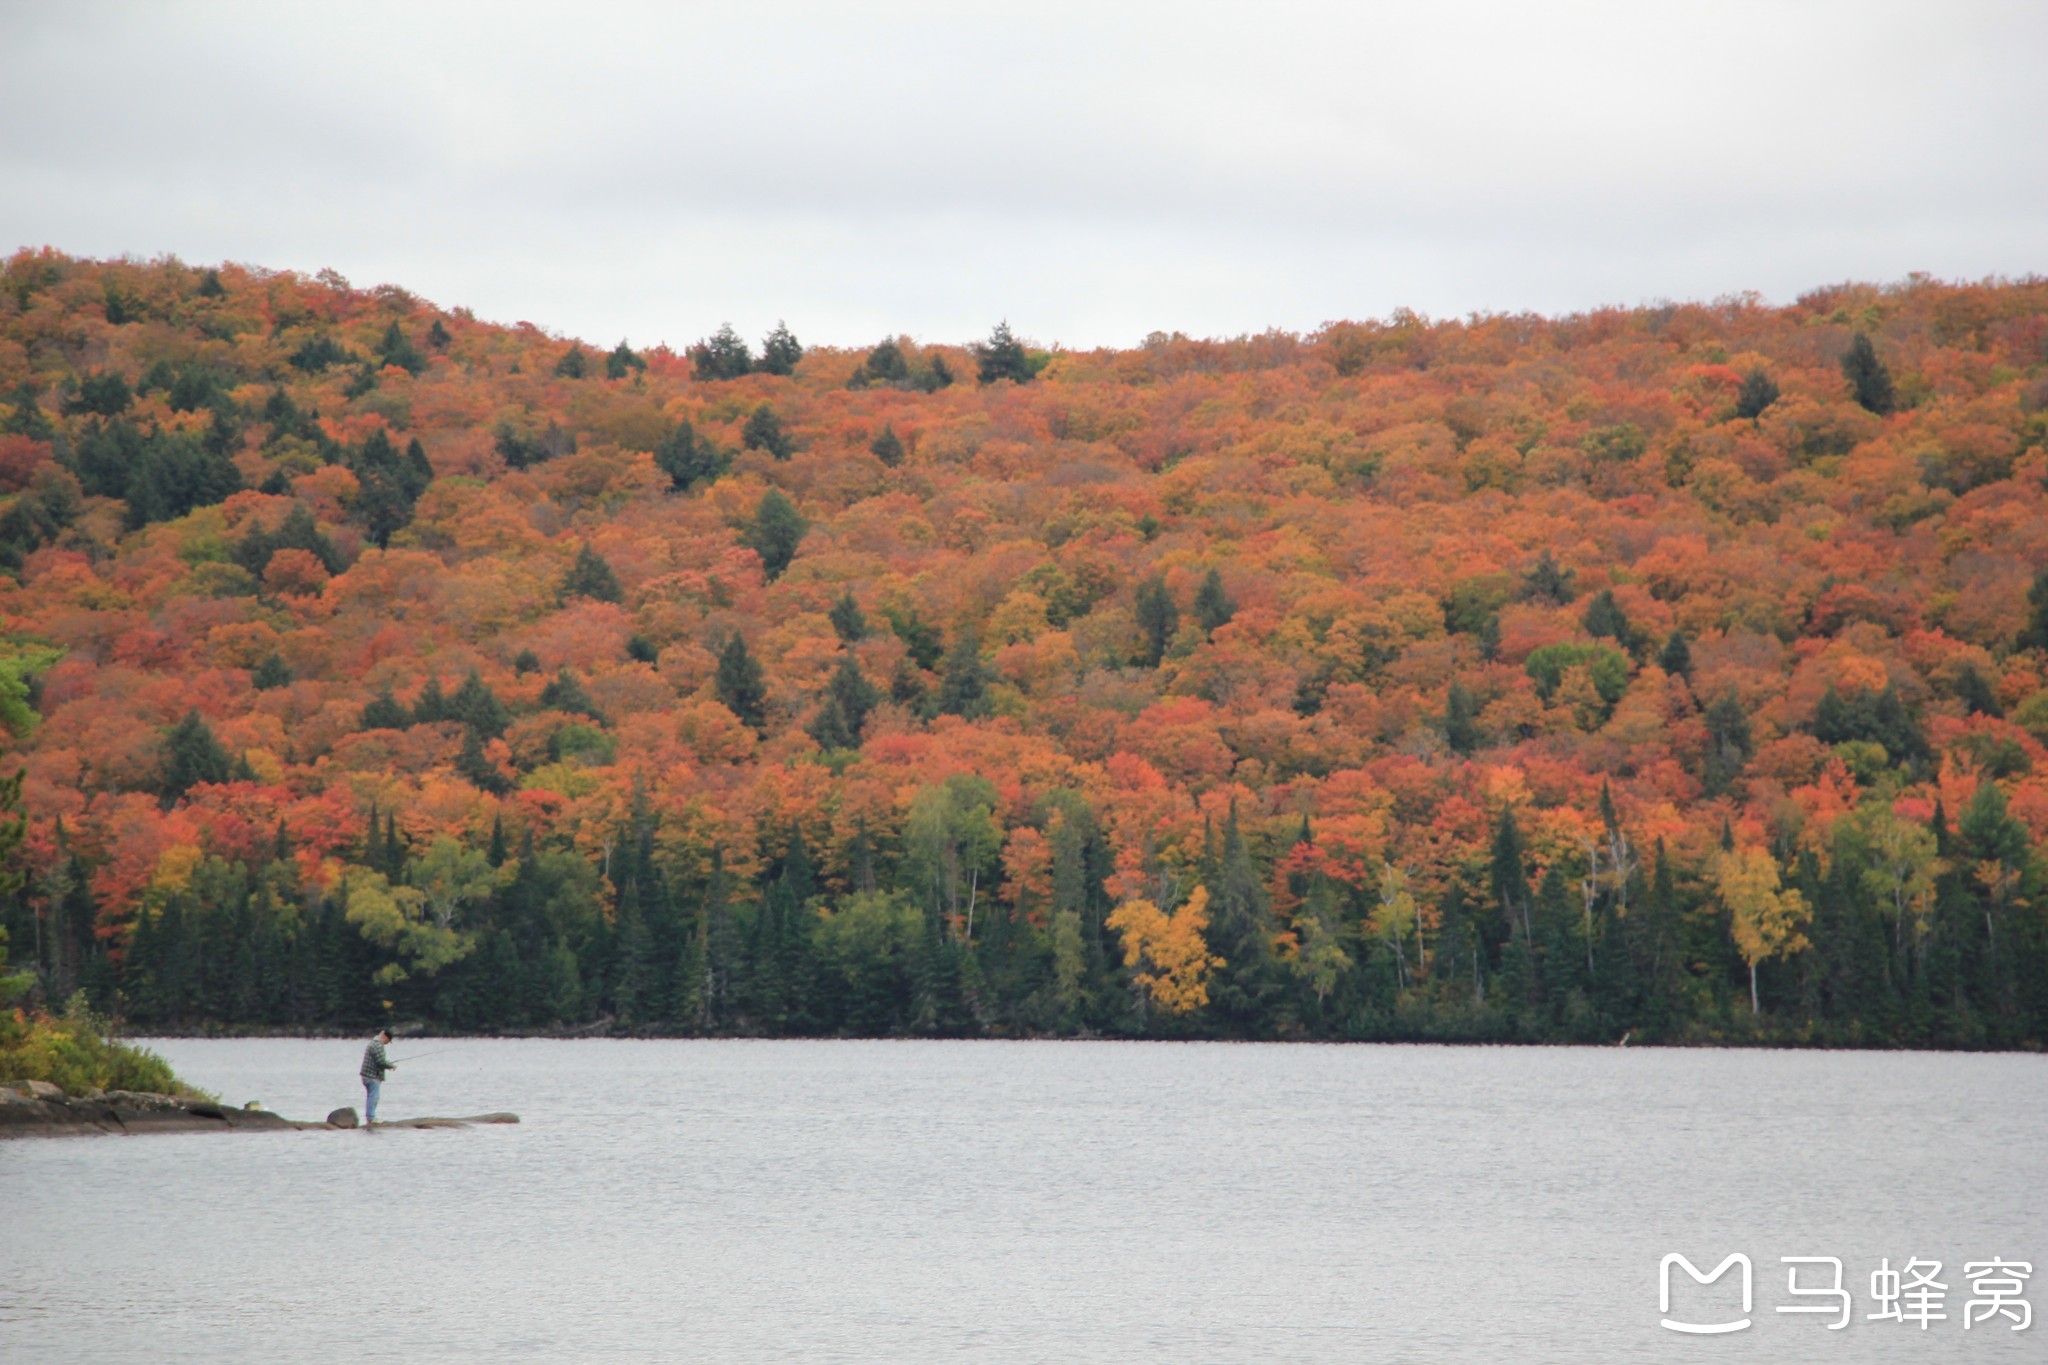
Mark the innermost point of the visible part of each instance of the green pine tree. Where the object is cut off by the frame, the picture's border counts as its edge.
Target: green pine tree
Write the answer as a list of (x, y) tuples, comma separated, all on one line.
[(775, 532), (740, 684), (1461, 720), (476, 706), (191, 756), (1213, 607), (763, 431), (781, 351), (963, 688), (1758, 392), (1158, 620), (887, 447), (689, 459), (1002, 356), (1870, 383), (847, 621), (384, 713), (592, 577), (722, 356), (622, 361)]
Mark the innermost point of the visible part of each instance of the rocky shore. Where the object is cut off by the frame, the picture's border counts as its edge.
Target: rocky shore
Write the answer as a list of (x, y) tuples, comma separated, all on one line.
[(39, 1109)]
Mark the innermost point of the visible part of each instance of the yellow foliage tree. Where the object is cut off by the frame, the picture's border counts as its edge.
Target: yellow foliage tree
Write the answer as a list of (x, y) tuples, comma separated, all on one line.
[(1765, 920), (1169, 953)]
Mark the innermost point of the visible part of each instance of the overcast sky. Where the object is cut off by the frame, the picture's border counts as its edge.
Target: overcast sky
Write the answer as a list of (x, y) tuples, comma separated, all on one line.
[(1092, 172)]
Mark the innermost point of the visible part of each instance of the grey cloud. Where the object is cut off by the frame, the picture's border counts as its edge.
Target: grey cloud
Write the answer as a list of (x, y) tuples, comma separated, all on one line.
[(1092, 172)]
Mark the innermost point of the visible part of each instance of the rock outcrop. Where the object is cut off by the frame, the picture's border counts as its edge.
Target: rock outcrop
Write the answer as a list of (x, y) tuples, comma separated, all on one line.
[(39, 1109)]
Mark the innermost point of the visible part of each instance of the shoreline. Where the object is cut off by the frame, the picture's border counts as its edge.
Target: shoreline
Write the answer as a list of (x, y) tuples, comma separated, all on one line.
[(31, 1109), (407, 1033)]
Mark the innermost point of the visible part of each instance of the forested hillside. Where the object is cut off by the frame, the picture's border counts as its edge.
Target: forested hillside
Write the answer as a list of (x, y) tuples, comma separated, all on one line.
[(1676, 670)]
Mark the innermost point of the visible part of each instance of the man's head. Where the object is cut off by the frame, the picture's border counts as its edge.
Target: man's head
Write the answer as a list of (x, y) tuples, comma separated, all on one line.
[(383, 1035)]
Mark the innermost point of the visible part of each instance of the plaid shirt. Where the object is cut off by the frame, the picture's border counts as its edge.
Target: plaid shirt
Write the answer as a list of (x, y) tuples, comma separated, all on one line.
[(375, 1063)]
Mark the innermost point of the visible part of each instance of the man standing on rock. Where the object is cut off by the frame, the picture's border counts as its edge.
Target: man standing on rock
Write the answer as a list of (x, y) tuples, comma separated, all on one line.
[(375, 1064)]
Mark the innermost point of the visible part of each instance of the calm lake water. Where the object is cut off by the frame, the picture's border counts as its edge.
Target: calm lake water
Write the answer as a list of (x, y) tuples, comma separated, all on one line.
[(1028, 1201)]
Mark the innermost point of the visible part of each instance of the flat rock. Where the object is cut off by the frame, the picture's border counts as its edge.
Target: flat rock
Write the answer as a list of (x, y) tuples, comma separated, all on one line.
[(27, 1111)]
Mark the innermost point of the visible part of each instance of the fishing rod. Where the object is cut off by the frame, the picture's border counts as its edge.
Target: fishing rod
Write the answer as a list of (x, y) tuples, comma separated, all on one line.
[(416, 1056)]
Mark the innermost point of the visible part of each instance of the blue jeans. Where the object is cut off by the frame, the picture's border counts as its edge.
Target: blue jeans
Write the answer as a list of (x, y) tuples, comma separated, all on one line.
[(370, 1088)]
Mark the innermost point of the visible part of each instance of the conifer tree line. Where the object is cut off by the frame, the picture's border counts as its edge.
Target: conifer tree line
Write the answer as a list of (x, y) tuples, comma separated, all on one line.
[(1897, 935)]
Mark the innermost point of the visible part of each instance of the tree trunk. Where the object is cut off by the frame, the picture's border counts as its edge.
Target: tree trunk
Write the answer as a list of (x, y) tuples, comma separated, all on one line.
[(1753, 1007)]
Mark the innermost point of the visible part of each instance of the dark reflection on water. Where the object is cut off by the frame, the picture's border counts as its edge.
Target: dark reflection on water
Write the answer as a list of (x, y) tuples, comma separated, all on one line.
[(1023, 1201)]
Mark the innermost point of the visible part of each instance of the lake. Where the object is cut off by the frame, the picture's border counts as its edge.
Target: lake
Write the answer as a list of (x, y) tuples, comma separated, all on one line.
[(1031, 1201)]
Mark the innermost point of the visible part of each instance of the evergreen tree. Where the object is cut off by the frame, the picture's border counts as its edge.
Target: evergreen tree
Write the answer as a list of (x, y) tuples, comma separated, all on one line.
[(592, 577), (740, 684), (775, 532), (1461, 720), (689, 459), (104, 393), (1976, 695), (396, 348), (476, 768), (173, 474), (1158, 620), (918, 635), (1002, 356), (780, 351), (1728, 744), (476, 706), (438, 336), (317, 353), (384, 713), (271, 673), (574, 364), (565, 693), (887, 447), (525, 661), (884, 365), (763, 431), (1544, 581), (963, 688), (390, 483), (906, 685), (1870, 383), (722, 356), (1507, 923), (1213, 607), (1758, 392), (191, 756), (1605, 619), (847, 621), (120, 311), (1244, 991), (844, 712), (2034, 635), (622, 362), (26, 416), (431, 706), (1676, 658), (210, 286)]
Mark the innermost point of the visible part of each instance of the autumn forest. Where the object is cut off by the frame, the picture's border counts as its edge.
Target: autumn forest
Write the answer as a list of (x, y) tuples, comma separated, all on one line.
[(1677, 672)]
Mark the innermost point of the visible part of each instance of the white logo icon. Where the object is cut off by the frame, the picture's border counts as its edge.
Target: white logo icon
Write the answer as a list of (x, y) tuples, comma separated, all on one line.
[(1699, 1328)]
